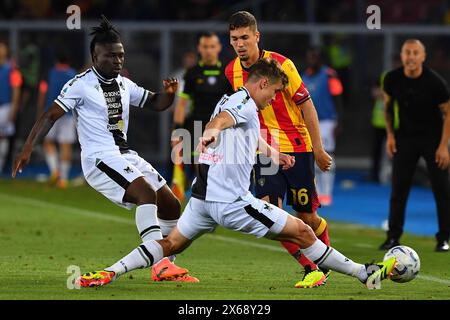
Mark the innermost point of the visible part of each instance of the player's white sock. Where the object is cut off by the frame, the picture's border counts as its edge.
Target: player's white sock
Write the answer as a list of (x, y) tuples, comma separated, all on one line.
[(4, 145), (144, 256), (147, 222), (166, 227), (52, 162), (330, 258), (64, 168)]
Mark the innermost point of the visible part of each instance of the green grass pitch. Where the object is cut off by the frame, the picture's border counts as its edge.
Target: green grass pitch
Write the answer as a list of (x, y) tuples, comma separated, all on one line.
[(44, 230)]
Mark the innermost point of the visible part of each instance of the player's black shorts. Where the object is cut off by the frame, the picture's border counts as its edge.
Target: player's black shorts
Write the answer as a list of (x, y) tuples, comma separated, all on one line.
[(298, 182)]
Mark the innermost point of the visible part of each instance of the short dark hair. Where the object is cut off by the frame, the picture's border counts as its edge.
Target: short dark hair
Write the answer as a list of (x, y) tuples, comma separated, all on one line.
[(269, 68), (242, 19), (206, 34), (104, 33)]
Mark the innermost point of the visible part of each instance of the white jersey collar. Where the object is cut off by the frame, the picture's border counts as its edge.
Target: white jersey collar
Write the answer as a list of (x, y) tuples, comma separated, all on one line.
[(101, 78)]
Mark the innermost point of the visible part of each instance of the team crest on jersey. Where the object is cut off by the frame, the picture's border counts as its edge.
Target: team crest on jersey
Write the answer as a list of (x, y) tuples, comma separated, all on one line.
[(121, 85), (128, 170), (239, 107), (212, 80), (261, 181), (97, 87)]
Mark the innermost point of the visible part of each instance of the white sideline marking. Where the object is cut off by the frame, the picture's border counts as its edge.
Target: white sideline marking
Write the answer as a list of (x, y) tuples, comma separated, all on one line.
[(434, 279), (60, 207), (109, 217)]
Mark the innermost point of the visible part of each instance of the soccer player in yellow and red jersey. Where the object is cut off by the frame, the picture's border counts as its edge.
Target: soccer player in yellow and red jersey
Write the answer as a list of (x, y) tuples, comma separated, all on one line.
[(291, 125)]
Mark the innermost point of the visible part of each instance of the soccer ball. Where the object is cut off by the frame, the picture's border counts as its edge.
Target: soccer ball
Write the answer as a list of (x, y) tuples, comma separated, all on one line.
[(408, 263)]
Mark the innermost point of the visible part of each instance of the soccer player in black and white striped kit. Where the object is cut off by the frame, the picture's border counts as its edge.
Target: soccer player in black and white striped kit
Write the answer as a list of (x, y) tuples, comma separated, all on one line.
[(100, 100), (220, 193)]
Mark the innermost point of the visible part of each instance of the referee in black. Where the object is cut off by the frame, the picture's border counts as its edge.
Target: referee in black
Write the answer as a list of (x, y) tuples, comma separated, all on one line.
[(204, 85), (424, 131)]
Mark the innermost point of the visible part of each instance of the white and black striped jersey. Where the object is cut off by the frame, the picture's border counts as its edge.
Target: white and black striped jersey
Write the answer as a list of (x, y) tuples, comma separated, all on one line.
[(102, 109), (224, 171)]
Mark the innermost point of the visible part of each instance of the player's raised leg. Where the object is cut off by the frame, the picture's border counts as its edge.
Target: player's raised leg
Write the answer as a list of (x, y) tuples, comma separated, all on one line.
[(168, 214), (296, 231), (142, 194)]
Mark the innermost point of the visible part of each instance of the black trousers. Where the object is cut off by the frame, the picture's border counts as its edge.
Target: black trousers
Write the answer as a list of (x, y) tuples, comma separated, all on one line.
[(404, 164), (379, 137)]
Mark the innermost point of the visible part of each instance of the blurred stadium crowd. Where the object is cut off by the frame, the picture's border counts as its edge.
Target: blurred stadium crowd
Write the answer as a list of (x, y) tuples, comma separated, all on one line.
[(343, 11)]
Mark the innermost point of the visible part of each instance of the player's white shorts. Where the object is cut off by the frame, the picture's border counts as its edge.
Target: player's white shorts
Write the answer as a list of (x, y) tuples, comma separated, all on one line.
[(63, 131), (327, 133), (110, 174), (248, 215)]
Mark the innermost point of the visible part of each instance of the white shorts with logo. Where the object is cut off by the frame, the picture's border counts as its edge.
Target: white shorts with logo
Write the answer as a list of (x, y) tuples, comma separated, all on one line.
[(63, 131), (248, 215), (110, 173), (327, 128)]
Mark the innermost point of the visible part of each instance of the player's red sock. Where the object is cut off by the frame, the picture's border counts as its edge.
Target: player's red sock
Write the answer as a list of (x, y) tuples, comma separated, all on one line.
[(294, 250), (322, 232)]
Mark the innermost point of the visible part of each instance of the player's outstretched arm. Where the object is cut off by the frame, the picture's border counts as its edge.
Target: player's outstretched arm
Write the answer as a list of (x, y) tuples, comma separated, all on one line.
[(160, 101), (220, 122), (39, 131)]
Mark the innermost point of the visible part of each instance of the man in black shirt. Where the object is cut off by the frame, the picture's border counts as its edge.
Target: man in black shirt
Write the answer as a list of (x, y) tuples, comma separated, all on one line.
[(424, 131), (204, 85)]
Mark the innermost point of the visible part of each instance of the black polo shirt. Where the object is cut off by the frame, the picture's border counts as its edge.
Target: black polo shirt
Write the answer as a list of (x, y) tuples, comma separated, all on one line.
[(204, 86), (418, 100)]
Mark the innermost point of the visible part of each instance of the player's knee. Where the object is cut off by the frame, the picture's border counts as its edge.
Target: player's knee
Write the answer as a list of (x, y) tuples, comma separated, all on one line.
[(305, 234), (169, 209), (146, 195), (311, 219), (175, 208)]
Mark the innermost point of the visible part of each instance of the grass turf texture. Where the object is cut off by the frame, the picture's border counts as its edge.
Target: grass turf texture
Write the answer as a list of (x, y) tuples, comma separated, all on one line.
[(44, 230)]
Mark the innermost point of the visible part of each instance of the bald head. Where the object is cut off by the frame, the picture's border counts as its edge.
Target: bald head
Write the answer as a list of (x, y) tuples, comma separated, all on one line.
[(413, 57), (414, 41)]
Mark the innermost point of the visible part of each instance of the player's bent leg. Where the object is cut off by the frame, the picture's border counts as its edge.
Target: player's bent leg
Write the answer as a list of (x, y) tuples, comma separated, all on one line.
[(292, 248), (320, 227), (139, 192), (145, 255), (313, 276), (370, 274), (149, 226), (169, 209), (165, 270), (295, 231), (168, 214)]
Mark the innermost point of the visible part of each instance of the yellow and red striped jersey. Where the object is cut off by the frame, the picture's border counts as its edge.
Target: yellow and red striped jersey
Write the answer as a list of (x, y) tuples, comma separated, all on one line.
[(282, 123)]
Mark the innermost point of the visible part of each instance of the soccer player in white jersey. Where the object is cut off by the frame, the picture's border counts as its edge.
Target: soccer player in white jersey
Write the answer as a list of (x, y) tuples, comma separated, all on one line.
[(220, 192), (100, 100)]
